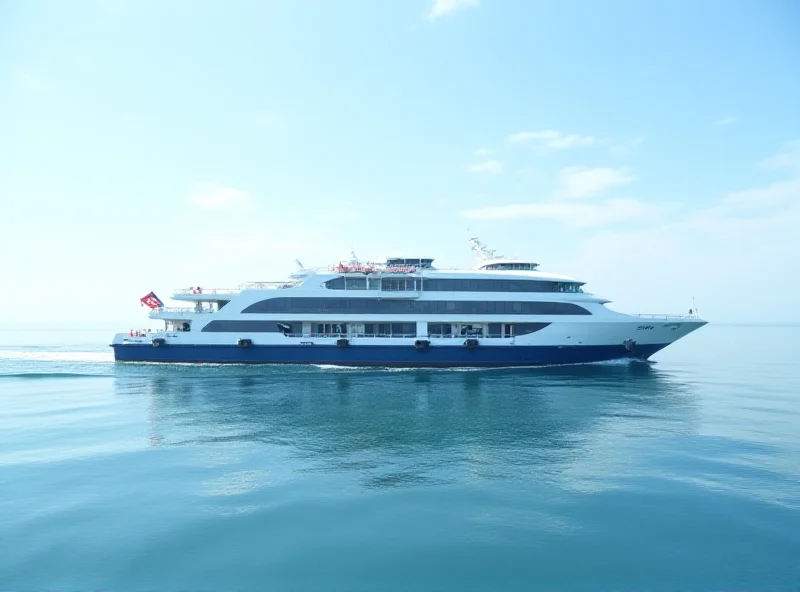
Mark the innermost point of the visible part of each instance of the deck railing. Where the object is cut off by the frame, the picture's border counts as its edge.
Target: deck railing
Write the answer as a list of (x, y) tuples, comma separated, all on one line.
[(268, 285), (182, 309), (664, 316), (179, 310), (206, 291), (245, 286)]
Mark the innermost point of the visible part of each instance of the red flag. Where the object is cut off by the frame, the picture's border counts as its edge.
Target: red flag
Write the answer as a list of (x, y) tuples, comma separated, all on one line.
[(151, 300)]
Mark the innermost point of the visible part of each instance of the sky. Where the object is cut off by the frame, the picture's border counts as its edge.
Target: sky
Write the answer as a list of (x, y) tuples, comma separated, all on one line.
[(650, 149)]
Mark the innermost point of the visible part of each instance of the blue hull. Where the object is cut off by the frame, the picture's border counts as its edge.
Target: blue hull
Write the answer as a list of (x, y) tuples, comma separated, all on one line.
[(396, 356)]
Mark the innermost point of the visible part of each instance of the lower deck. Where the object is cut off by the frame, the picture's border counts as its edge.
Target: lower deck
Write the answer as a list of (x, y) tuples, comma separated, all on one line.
[(404, 329)]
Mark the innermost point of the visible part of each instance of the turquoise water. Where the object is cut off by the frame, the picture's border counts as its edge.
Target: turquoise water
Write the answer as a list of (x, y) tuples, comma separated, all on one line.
[(683, 475)]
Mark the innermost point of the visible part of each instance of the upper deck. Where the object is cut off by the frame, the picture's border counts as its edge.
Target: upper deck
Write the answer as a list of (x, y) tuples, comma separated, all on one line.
[(401, 278), (405, 277)]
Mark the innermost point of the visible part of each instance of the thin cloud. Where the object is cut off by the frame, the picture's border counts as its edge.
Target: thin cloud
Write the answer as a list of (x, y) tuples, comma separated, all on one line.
[(209, 196), (726, 121), (773, 205), (788, 157), (579, 182), (552, 139), (487, 167), (778, 194), (754, 228), (574, 214), (442, 8), (482, 152)]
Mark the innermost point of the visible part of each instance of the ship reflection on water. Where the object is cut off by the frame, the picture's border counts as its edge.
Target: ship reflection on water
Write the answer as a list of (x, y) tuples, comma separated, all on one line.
[(417, 427)]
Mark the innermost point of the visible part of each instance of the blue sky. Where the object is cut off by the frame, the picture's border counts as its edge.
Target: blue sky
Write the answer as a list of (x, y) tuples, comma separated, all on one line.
[(649, 149)]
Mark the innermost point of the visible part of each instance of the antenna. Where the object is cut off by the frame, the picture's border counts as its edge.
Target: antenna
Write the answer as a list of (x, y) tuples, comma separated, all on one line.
[(481, 249)]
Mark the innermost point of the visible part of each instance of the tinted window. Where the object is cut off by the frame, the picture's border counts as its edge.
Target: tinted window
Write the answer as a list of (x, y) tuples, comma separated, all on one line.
[(347, 283), (250, 327), (373, 306), (355, 283), (394, 284), (335, 284), (526, 328), (485, 285)]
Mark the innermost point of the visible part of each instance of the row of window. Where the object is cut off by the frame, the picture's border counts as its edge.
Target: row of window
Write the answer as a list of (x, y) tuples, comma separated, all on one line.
[(401, 284), (352, 283), (352, 306), (374, 329), (494, 329), (451, 285), (253, 327), (484, 285)]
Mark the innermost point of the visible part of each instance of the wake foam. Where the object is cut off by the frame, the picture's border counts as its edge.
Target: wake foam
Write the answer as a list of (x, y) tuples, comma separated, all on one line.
[(45, 375), (620, 362), (56, 356)]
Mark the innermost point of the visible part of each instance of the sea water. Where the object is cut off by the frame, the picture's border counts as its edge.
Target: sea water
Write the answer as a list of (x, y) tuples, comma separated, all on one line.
[(680, 475)]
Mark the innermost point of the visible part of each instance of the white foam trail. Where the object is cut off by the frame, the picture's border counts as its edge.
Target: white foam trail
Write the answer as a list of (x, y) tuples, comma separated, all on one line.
[(621, 362), (57, 356)]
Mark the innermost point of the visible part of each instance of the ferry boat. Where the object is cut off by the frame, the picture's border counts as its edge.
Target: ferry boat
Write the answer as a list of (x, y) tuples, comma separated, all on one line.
[(402, 312)]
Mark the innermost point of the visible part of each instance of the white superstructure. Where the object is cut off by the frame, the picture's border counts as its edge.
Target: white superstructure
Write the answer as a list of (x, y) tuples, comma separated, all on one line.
[(405, 312)]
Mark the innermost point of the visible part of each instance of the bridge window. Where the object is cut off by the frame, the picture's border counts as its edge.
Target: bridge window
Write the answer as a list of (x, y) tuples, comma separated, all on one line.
[(347, 283)]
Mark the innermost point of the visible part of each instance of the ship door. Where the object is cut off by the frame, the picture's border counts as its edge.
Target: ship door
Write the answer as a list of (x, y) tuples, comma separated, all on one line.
[(508, 330)]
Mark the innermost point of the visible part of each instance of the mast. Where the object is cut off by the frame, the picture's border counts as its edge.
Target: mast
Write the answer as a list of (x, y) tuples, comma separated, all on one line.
[(481, 250)]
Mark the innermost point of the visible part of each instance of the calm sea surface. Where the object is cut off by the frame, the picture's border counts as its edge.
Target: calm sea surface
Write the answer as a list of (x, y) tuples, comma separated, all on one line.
[(683, 475)]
